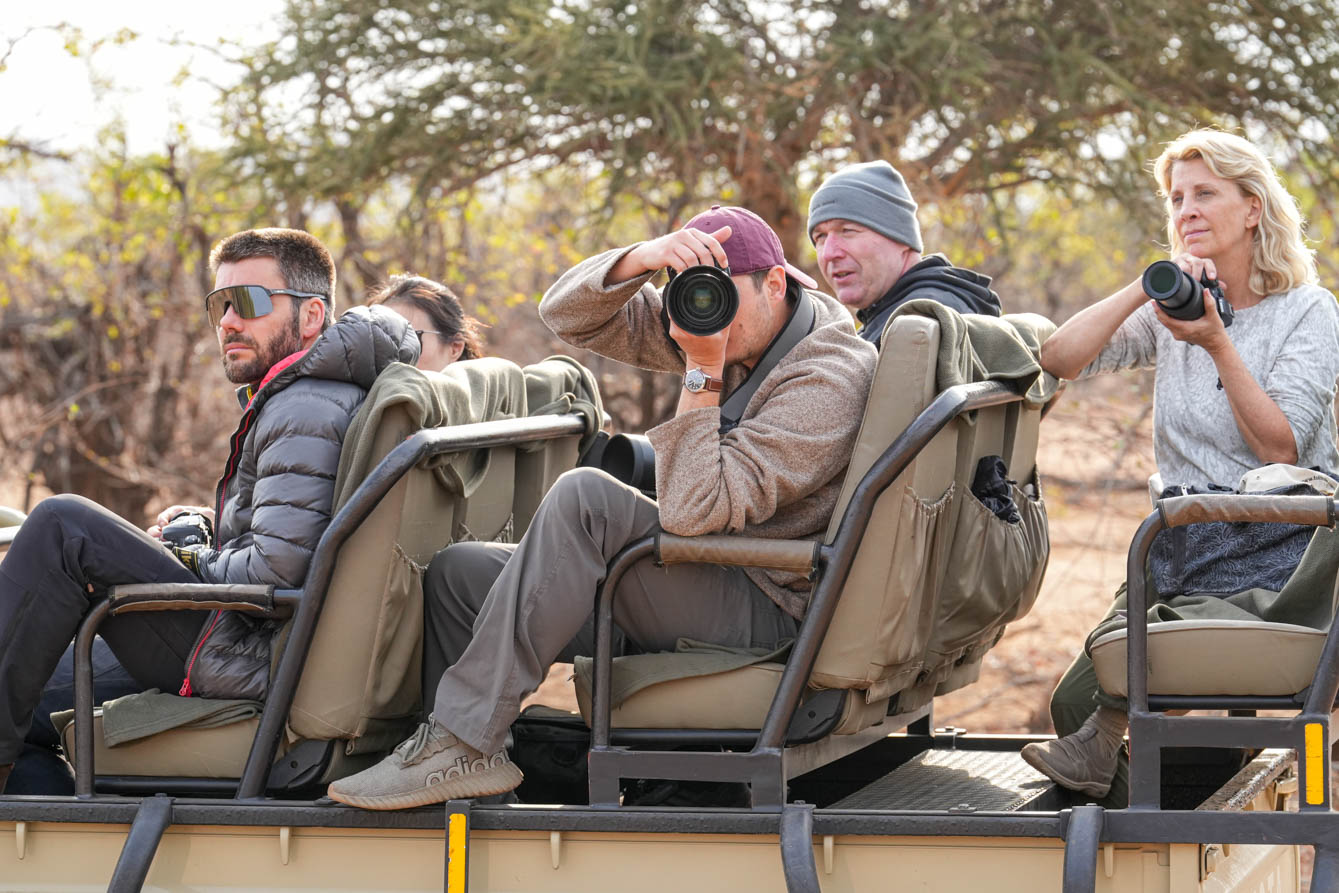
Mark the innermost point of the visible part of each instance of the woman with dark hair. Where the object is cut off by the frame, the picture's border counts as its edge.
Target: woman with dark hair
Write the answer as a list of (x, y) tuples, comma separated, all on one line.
[(444, 331)]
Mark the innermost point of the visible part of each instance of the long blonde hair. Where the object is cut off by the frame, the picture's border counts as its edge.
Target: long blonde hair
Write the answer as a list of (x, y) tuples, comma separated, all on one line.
[(1280, 259)]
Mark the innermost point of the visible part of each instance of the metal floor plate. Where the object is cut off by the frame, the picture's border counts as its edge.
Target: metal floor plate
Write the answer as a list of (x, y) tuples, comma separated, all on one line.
[(954, 779)]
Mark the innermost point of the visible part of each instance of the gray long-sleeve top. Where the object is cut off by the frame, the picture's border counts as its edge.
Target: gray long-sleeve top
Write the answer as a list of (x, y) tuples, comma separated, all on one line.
[(1290, 344)]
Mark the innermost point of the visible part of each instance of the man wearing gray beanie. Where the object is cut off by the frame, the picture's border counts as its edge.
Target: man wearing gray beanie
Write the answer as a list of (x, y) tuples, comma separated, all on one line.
[(862, 221)]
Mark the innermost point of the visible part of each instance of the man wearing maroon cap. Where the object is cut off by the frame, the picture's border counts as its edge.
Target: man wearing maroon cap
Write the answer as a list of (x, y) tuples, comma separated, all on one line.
[(767, 464)]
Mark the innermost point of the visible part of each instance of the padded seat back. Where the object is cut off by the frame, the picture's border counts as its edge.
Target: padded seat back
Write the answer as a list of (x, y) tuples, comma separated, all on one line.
[(1215, 657), (882, 623), (361, 680), (937, 574), (10, 521), (935, 578)]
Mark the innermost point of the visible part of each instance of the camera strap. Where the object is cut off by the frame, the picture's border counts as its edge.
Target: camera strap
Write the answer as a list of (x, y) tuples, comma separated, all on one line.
[(800, 324)]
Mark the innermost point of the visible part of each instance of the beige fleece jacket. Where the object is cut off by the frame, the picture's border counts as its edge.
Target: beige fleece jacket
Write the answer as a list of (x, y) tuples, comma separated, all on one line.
[(779, 472)]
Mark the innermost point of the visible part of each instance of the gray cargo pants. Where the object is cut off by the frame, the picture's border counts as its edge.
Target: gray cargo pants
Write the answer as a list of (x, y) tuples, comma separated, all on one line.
[(499, 615)]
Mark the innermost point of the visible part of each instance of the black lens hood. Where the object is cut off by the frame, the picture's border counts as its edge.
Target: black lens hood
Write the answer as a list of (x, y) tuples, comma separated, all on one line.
[(702, 300)]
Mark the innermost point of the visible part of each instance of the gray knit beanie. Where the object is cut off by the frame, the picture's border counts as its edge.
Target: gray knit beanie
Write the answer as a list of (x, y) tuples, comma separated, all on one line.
[(872, 194)]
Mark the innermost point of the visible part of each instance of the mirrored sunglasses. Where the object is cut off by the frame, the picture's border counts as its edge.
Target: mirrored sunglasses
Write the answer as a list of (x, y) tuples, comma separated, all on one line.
[(248, 301)]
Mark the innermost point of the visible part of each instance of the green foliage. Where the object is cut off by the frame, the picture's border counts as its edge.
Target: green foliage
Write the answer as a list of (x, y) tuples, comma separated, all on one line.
[(963, 97), (102, 332), (493, 143)]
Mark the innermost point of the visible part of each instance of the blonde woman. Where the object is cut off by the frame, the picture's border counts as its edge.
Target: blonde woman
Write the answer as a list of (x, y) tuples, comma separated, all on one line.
[(1225, 400)]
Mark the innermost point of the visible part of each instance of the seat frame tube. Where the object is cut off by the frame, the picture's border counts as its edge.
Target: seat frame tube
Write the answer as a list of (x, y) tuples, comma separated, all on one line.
[(1151, 731)]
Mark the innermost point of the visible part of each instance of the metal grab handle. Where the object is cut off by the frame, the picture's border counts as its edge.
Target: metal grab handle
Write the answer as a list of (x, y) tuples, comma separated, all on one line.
[(246, 597), (798, 556), (1313, 511)]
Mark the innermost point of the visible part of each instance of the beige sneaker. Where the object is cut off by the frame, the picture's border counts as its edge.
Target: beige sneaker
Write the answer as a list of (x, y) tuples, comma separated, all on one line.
[(1086, 760), (432, 766)]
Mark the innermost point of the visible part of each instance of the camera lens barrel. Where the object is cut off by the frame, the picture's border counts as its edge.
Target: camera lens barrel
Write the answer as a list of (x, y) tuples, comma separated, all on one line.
[(630, 458), (1172, 287), (702, 299)]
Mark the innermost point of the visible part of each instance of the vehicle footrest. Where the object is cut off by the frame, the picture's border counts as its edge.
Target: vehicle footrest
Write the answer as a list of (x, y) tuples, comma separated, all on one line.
[(995, 781)]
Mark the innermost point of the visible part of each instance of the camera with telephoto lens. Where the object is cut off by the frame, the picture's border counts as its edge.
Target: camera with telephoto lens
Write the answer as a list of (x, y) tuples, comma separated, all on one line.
[(702, 299), (1178, 294), (188, 529)]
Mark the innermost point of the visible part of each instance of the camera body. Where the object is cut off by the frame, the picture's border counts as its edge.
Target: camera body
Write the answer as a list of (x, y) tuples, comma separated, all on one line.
[(188, 529), (1180, 295), (702, 300)]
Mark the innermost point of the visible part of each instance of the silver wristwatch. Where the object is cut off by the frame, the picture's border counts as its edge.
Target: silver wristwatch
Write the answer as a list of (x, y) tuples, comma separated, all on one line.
[(695, 381)]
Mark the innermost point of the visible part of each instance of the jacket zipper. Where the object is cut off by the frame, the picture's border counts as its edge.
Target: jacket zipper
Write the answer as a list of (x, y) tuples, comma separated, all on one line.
[(186, 690)]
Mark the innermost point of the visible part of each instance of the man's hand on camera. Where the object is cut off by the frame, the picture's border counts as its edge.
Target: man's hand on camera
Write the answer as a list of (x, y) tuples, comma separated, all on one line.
[(705, 352), (166, 515), (678, 250)]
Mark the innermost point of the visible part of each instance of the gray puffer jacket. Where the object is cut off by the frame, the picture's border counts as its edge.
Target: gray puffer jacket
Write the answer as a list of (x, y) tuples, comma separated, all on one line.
[(275, 497)]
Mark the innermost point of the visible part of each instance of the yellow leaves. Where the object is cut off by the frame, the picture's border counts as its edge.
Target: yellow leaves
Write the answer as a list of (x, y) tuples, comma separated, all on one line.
[(72, 410), (113, 332)]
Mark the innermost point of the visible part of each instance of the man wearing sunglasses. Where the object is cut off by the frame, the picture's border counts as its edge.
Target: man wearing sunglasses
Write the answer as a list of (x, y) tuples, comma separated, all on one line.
[(301, 380)]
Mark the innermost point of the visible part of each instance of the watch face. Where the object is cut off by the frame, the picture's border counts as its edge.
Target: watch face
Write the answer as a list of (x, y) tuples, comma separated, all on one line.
[(694, 380)]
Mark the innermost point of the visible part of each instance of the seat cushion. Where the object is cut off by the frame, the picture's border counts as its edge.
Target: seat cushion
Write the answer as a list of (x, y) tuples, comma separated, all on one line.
[(1215, 657), (737, 699), (195, 753)]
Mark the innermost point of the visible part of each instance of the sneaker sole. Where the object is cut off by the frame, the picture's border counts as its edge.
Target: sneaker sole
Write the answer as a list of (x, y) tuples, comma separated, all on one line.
[(1090, 788), (475, 784)]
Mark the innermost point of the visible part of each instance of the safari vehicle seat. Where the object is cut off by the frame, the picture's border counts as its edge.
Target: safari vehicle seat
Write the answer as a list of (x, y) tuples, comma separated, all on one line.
[(914, 583), (1219, 664), (357, 692)]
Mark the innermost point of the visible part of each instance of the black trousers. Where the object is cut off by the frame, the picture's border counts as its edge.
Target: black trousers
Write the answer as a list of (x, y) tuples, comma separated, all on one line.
[(67, 547)]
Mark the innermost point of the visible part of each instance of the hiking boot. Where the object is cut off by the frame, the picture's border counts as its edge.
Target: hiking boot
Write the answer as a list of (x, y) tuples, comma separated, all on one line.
[(432, 766), (1086, 760)]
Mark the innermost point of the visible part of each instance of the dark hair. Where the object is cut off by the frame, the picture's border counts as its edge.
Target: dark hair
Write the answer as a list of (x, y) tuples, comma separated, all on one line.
[(304, 262), (440, 304), (793, 287)]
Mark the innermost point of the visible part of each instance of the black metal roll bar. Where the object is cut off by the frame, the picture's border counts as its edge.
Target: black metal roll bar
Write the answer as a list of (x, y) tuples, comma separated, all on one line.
[(305, 604)]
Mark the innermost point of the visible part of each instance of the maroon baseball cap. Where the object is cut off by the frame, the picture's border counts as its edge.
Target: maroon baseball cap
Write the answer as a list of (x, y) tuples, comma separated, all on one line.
[(752, 245)]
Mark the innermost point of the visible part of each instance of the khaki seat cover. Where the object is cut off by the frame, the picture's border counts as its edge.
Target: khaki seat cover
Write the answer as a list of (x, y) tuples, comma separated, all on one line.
[(218, 752), (737, 699), (882, 624), (536, 470), (882, 640), (1215, 657), (539, 466), (362, 672)]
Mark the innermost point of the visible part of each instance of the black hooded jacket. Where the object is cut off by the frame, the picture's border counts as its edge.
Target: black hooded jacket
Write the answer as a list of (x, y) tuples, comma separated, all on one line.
[(935, 278)]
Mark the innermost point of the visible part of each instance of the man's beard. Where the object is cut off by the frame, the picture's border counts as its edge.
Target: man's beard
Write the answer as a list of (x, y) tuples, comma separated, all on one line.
[(285, 342)]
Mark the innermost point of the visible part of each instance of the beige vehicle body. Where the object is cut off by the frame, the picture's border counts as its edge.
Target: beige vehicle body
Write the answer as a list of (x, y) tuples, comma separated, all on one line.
[(846, 784), (563, 849)]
